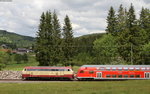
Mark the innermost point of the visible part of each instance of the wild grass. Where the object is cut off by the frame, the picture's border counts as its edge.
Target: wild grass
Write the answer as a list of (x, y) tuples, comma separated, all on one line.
[(86, 87), (18, 67)]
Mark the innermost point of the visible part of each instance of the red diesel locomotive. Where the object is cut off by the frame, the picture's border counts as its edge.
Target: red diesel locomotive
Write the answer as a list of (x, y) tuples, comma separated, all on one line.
[(94, 72), (47, 72)]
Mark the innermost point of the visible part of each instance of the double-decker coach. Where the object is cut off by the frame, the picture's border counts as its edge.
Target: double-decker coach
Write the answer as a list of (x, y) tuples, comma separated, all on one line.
[(47, 72), (113, 72)]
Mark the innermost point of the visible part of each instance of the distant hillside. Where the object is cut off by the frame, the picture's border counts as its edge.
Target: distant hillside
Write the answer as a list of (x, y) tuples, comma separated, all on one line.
[(26, 41), (93, 36), (15, 39), (85, 42)]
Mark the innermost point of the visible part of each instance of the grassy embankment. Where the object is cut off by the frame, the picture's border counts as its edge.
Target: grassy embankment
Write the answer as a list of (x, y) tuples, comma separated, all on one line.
[(86, 87)]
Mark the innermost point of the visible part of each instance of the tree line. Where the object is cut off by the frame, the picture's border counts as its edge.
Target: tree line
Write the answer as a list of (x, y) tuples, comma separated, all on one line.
[(54, 45), (129, 36), (127, 40)]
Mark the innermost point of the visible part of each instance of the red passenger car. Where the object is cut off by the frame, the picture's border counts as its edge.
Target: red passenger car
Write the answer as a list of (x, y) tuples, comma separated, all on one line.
[(113, 72)]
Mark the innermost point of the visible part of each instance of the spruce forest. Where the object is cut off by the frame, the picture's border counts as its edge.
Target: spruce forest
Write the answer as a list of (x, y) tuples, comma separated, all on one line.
[(127, 40)]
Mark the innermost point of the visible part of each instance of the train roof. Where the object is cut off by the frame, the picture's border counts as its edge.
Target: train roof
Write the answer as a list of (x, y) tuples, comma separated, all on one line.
[(46, 67), (116, 66)]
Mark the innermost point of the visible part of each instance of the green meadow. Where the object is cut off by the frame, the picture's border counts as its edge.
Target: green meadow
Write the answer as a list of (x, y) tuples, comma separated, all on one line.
[(74, 87)]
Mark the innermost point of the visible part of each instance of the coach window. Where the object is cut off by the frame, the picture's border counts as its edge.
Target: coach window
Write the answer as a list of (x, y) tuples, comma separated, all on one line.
[(125, 76), (147, 69), (131, 76), (143, 69), (114, 76), (113, 69), (119, 69), (108, 69), (125, 69), (119, 76), (107, 76), (131, 69), (137, 69), (102, 69), (81, 71), (91, 72), (137, 76)]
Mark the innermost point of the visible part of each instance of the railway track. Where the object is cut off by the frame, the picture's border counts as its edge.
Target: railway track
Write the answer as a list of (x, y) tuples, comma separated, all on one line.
[(29, 81)]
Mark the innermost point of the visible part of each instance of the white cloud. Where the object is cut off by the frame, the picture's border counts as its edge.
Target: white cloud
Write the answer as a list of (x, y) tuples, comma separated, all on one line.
[(87, 16)]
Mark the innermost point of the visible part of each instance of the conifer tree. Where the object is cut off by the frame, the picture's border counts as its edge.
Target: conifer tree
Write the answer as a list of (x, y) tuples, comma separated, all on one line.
[(131, 39), (57, 39), (111, 21), (131, 18), (68, 49), (49, 39), (145, 21), (40, 42), (121, 19), (44, 40)]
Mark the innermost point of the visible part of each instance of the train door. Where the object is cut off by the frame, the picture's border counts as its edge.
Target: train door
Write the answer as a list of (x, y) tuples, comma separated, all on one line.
[(98, 75), (146, 75)]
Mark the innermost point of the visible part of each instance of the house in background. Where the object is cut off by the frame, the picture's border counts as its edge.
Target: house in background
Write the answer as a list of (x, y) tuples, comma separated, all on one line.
[(22, 51), (4, 46)]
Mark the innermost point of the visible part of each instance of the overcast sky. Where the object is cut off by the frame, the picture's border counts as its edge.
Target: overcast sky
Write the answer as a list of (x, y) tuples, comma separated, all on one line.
[(87, 16)]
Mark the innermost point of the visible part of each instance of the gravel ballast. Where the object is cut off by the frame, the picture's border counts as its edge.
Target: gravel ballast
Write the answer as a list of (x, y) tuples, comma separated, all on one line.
[(10, 74)]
